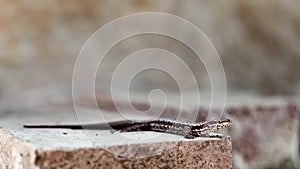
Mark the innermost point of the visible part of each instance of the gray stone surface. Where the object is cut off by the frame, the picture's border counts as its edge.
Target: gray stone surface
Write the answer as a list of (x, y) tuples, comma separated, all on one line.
[(65, 148), (29, 149)]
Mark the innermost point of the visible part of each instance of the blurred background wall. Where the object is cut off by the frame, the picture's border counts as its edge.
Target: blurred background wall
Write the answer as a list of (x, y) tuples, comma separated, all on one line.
[(258, 42)]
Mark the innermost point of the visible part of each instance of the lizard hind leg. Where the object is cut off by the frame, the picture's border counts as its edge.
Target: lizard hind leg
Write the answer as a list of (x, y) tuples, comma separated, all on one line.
[(189, 136), (212, 135), (135, 127)]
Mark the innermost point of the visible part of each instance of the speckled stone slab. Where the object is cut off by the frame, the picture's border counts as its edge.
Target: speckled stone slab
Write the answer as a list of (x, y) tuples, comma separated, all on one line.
[(66, 149)]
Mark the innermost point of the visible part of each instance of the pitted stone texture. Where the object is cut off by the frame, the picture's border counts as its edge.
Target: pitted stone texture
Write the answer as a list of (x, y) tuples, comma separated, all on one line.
[(183, 153), (187, 154), (15, 153)]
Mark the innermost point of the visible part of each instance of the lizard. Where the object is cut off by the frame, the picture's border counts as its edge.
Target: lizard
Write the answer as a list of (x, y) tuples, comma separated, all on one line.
[(186, 129)]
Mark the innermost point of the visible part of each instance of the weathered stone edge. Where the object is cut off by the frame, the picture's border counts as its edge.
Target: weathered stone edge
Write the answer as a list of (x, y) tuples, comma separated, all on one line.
[(215, 153)]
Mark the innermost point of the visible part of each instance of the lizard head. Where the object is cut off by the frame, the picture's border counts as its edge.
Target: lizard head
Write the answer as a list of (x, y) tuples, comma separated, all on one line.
[(212, 126), (218, 124)]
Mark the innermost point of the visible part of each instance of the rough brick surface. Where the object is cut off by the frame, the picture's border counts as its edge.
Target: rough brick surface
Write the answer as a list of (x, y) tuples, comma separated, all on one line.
[(21, 149)]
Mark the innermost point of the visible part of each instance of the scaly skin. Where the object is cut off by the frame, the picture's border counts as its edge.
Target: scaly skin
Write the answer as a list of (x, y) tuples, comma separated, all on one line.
[(189, 130)]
